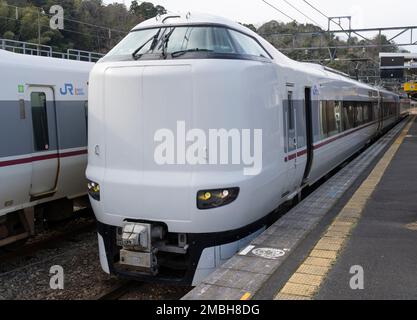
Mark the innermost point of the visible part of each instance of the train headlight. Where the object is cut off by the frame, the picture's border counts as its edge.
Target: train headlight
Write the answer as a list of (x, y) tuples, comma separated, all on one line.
[(209, 199), (94, 190)]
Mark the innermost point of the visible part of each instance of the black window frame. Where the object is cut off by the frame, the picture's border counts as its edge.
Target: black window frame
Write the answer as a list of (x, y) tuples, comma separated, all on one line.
[(291, 113), (40, 127), (195, 55)]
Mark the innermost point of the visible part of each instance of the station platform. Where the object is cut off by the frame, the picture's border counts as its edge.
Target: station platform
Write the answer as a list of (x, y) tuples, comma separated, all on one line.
[(355, 237), (384, 242)]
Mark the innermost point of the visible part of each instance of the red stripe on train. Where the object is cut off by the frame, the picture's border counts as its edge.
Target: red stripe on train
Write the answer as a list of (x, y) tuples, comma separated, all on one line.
[(41, 158), (322, 144)]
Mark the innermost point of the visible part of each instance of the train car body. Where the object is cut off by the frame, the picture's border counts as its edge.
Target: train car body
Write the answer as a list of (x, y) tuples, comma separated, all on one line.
[(43, 136), (177, 221), (405, 106)]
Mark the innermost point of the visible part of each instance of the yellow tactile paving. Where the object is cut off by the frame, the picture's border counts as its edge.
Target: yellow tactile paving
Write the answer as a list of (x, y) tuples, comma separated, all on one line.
[(323, 254), (290, 297), (343, 229), (344, 219), (329, 246), (304, 278), (298, 289), (336, 235), (305, 282), (314, 270), (319, 262), (330, 241), (339, 223)]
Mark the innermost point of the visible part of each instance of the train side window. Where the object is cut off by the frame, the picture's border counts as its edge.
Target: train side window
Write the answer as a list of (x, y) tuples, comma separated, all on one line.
[(291, 122), (348, 115), (86, 113), (386, 109), (329, 119), (367, 112), (39, 121), (358, 115), (322, 120), (338, 115)]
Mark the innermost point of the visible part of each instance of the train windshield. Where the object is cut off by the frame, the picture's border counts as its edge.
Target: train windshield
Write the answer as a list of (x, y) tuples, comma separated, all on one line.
[(189, 42)]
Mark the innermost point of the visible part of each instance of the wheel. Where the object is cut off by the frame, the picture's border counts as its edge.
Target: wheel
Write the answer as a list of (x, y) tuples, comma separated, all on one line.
[(12, 226), (15, 246)]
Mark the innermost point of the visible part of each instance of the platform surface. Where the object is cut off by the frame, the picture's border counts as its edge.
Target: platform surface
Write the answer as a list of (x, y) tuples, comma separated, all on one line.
[(293, 259), (384, 243)]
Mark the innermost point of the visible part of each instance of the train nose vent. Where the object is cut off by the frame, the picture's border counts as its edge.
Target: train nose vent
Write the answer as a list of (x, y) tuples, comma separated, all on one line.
[(135, 237)]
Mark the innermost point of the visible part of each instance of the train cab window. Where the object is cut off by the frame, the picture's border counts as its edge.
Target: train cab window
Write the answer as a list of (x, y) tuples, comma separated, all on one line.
[(39, 121), (247, 45), (188, 42)]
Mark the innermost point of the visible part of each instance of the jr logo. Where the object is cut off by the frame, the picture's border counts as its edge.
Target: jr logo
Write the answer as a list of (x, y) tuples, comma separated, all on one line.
[(69, 89)]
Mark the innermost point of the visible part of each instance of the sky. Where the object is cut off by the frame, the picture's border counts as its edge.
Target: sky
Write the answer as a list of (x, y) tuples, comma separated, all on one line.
[(365, 13)]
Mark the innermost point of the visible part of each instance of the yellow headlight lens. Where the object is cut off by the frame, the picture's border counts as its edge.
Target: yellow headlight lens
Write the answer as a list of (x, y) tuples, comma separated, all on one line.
[(206, 196)]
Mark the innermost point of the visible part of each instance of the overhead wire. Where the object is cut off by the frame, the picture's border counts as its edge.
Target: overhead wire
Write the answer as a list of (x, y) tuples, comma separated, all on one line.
[(280, 11), (299, 11)]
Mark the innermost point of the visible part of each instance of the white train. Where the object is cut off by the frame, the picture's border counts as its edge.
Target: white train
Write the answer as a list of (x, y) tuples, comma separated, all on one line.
[(406, 105), (43, 139), (177, 79)]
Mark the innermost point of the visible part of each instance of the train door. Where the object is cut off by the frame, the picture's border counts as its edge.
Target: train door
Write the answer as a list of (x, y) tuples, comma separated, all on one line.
[(309, 133), (45, 163), (381, 114), (291, 140)]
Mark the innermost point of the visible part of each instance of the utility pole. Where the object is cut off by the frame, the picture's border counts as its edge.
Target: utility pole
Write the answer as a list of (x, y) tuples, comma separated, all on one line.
[(339, 23), (39, 28)]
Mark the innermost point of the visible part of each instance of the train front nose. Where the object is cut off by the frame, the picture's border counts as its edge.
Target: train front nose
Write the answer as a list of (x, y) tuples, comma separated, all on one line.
[(149, 120), (178, 207), (140, 103)]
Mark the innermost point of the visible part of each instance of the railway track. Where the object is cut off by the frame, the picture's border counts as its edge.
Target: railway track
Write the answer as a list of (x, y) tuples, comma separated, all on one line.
[(118, 291), (52, 241)]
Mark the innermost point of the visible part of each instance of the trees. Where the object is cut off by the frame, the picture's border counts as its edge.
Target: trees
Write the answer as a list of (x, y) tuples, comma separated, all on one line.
[(146, 10), (89, 24), (93, 26), (354, 61)]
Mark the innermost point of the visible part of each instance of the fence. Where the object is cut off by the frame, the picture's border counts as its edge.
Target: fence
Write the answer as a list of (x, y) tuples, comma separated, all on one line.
[(47, 51)]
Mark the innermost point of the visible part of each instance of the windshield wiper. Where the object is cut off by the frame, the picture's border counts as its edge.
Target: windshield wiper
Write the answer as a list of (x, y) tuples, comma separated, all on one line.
[(179, 53), (164, 43), (154, 40)]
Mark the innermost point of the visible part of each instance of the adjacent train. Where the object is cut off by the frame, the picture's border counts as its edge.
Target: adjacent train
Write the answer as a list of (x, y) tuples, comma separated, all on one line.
[(167, 210), (43, 140)]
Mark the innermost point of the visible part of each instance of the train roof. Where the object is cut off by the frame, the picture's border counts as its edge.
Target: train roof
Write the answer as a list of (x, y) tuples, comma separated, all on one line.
[(278, 57), (8, 58), (188, 18)]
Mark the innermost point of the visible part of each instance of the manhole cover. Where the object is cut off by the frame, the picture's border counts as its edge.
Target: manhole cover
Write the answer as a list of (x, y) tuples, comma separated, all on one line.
[(412, 226), (268, 253)]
